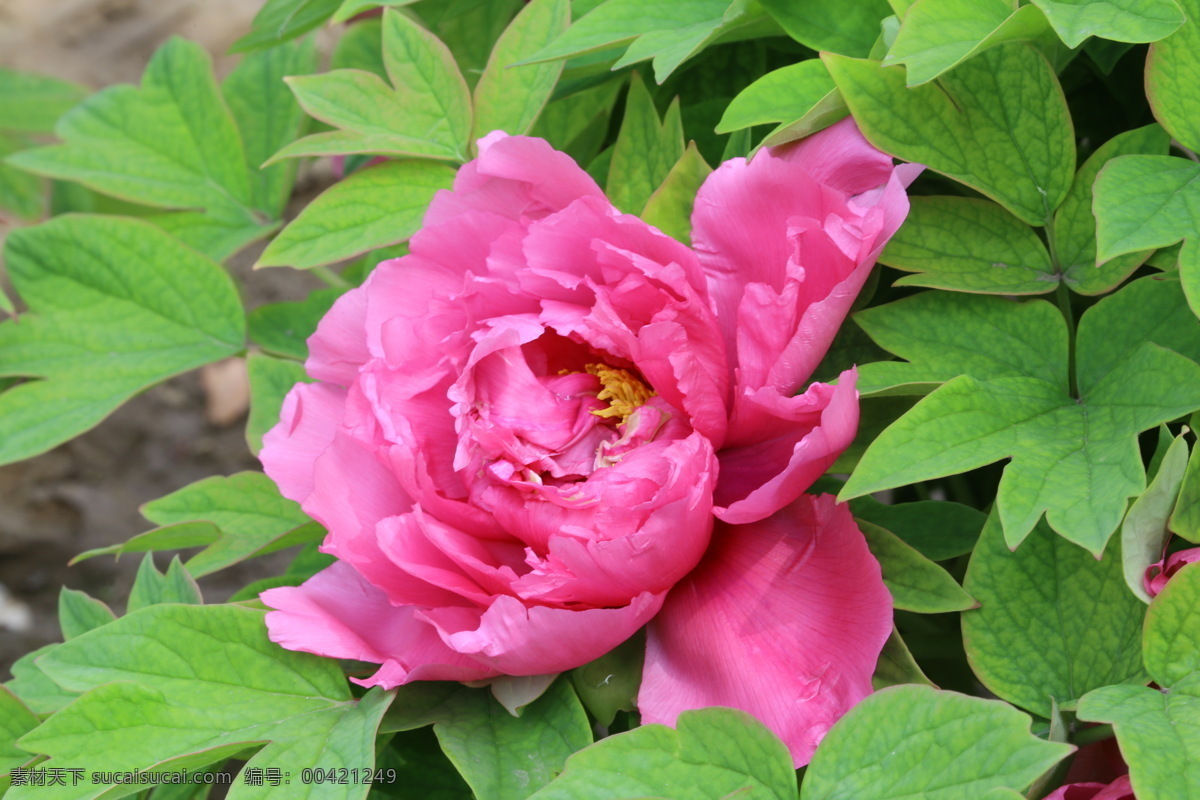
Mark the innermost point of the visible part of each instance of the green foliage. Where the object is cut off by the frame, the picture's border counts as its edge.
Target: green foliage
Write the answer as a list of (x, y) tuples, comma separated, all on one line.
[(283, 328), (33, 103), (670, 206), (645, 151), (800, 97), (1171, 645), (280, 20), (610, 683), (1053, 623), (711, 753), (938, 529), (116, 306), (969, 245), (998, 123), (152, 587), (1185, 516), (507, 97), (1074, 455), (175, 687), (503, 757), (79, 612), (846, 28), (377, 206), (1123, 20), (1145, 531), (425, 111), (915, 582), (950, 746), (1159, 733), (173, 143), (937, 36)]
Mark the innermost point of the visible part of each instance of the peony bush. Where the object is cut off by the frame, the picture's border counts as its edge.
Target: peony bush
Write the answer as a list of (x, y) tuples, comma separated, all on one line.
[(700, 391)]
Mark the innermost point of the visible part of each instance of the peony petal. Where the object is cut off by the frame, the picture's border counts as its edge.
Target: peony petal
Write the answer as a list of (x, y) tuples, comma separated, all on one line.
[(1159, 573), (518, 176), (310, 417), (841, 157), (1120, 789), (794, 440), (337, 614), (784, 619), (338, 348), (518, 640)]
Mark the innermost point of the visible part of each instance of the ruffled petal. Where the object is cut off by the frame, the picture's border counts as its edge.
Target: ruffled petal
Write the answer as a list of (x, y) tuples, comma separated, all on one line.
[(1120, 789), (784, 619), (310, 417), (516, 639), (789, 443), (337, 614)]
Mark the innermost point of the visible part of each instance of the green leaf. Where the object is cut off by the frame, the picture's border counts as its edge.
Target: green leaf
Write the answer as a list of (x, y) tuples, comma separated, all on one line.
[(79, 612), (1073, 458), (1185, 517), (377, 206), (251, 514), (470, 28), (1171, 645), (610, 683), (422, 770), (939, 335), (168, 537), (915, 582), (350, 8), (15, 721), (778, 96), (152, 587), (1159, 735), (1144, 533), (896, 665), (937, 528), (373, 115), (426, 111), (937, 36), (1052, 623), (1171, 70), (284, 328), (215, 236), (269, 117), (270, 380), (116, 305), (1122, 20), (838, 27), (172, 143), (33, 103), (21, 193), (428, 80), (197, 684), (34, 687), (280, 20), (645, 150), (950, 746), (670, 206), (1146, 202), (711, 753), (998, 123), (503, 757), (361, 48), (507, 97), (577, 123), (667, 29), (969, 245), (1074, 228)]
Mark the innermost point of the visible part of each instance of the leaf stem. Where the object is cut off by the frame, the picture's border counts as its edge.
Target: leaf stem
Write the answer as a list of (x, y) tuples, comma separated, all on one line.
[(1063, 296), (331, 278)]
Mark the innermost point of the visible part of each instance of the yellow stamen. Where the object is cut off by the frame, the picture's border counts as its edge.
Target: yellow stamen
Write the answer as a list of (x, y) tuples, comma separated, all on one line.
[(623, 390)]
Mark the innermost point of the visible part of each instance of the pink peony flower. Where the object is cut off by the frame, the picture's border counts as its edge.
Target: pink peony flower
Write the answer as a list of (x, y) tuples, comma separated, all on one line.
[(1158, 573), (551, 424), (1120, 789)]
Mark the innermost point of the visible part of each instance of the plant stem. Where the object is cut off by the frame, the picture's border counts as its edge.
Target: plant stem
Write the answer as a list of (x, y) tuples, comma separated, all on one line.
[(1063, 296), (330, 277)]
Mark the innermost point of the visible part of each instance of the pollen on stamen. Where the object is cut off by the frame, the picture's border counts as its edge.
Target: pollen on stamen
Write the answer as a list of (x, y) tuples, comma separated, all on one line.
[(621, 389)]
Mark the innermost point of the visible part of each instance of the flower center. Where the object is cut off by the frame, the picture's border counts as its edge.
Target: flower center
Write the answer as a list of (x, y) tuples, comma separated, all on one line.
[(623, 390)]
